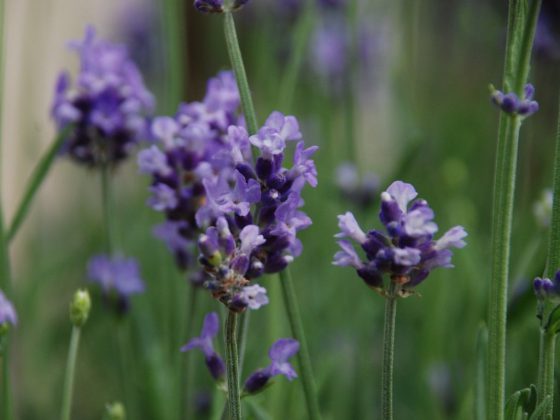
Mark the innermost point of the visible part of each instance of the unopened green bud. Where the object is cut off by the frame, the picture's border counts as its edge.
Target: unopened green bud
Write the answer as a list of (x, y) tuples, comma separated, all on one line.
[(115, 411), (80, 307)]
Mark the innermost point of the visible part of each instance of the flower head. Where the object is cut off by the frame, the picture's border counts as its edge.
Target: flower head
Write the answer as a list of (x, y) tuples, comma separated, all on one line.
[(204, 342), (7, 312), (106, 109), (547, 289), (407, 250), (280, 352), (116, 273)]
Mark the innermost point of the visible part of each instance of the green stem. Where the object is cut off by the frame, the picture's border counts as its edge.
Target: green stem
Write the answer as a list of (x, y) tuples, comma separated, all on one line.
[(243, 333), (187, 364), (37, 178), (108, 208), (240, 75), (296, 325), (232, 362), (302, 33), (518, 58), (545, 382), (388, 355), (174, 16), (69, 376)]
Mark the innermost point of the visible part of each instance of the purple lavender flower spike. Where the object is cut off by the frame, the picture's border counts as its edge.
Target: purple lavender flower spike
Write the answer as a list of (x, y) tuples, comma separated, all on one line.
[(107, 107), (547, 289), (279, 354), (7, 312), (407, 251), (116, 273), (209, 331)]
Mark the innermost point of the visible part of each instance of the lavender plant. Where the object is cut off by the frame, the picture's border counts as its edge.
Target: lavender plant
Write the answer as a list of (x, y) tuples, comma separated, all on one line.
[(397, 260)]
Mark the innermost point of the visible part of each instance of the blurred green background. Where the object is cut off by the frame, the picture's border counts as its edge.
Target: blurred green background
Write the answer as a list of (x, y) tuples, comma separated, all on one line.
[(409, 101)]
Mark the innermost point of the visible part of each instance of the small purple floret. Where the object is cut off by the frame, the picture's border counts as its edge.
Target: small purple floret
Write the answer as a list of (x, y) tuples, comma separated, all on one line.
[(7, 312), (116, 273)]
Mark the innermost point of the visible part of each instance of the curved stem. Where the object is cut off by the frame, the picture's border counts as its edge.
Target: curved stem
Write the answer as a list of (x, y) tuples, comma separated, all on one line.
[(232, 361), (388, 356), (240, 75), (69, 376), (296, 325), (37, 177)]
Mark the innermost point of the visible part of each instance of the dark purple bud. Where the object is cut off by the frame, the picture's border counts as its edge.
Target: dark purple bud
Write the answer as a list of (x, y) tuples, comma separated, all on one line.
[(209, 6), (270, 197), (277, 181), (246, 170), (375, 241), (257, 381), (390, 211), (529, 91), (510, 103), (527, 108), (417, 277), (256, 269), (264, 168), (216, 366), (371, 277), (275, 263), (208, 245)]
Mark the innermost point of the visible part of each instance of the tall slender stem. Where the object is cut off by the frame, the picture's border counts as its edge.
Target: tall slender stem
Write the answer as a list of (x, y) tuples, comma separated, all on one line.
[(388, 356), (174, 23), (296, 325), (516, 70), (240, 75), (232, 363), (37, 177), (69, 375)]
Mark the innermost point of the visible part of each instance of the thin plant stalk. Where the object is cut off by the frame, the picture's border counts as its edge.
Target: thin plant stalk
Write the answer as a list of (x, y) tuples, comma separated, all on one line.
[(290, 302), (232, 363), (545, 380), (388, 355), (516, 71), (108, 208), (296, 325), (69, 375), (37, 178)]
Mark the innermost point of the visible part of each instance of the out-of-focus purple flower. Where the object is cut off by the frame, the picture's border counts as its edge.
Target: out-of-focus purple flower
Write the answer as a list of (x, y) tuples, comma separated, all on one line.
[(204, 342), (279, 354), (360, 190), (511, 104), (217, 6), (116, 273), (547, 42), (7, 312), (329, 51), (106, 108), (407, 251), (547, 289)]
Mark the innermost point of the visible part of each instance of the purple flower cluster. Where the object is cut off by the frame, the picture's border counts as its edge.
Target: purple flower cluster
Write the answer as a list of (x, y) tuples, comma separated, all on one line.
[(511, 104), (105, 110), (7, 312), (188, 148), (407, 251), (217, 6), (118, 274), (547, 289), (254, 213), (243, 213), (279, 354)]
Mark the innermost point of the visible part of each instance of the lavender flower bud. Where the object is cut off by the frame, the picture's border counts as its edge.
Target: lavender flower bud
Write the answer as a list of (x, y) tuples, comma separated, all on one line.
[(216, 366), (80, 308)]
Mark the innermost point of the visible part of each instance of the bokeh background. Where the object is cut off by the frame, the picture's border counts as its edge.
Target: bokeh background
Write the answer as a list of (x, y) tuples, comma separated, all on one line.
[(398, 89)]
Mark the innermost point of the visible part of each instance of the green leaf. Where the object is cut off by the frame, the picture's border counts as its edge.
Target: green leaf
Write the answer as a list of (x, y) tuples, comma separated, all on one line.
[(517, 404), (553, 323), (541, 408)]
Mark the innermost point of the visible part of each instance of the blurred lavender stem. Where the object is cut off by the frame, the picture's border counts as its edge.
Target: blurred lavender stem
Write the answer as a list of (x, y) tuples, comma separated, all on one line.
[(69, 375), (302, 33), (108, 209), (516, 69), (388, 354), (38, 176), (232, 363), (545, 380), (5, 270), (285, 277), (174, 21)]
